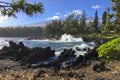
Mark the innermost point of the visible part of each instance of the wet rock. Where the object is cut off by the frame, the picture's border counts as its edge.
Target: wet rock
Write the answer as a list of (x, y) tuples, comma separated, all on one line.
[(65, 54), (63, 59), (67, 64)]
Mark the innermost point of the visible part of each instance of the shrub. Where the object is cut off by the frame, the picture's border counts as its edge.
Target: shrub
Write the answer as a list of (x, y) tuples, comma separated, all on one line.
[(110, 50)]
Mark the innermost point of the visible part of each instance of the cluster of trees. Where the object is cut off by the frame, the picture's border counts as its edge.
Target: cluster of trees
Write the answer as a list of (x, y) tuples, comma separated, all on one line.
[(74, 24), (77, 24)]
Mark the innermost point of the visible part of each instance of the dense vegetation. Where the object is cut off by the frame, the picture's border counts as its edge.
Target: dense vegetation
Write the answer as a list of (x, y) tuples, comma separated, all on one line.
[(110, 50), (21, 32), (77, 25), (16, 6)]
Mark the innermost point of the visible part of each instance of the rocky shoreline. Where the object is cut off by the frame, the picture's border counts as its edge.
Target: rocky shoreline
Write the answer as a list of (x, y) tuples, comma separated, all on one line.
[(17, 57)]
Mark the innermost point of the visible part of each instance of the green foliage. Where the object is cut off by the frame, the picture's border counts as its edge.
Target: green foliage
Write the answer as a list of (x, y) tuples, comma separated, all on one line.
[(75, 24), (54, 29), (116, 9), (91, 29), (95, 21), (83, 24), (10, 9), (110, 50), (104, 16), (70, 25)]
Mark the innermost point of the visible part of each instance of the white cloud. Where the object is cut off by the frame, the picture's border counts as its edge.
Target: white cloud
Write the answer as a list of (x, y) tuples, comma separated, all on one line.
[(57, 13), (76, 12), (3, 19), (96, 6), (53, 18)]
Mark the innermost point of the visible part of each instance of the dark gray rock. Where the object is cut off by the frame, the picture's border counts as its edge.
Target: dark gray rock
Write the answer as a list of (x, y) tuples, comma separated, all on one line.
[(100, 67)]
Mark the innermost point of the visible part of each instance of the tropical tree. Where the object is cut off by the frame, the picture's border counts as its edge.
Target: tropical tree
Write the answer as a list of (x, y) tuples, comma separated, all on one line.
[(70, 25), (95, 21), (91, 29), (116, 9), (104, 16), (10, 9), (109, 25), (104, 19), (54, 29), (82, 24)]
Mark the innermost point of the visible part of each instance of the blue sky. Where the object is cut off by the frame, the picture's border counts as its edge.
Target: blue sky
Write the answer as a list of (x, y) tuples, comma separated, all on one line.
[(57, 9)]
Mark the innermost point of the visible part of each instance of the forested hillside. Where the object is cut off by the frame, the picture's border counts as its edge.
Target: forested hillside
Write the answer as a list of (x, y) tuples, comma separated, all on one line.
[(21, 32)]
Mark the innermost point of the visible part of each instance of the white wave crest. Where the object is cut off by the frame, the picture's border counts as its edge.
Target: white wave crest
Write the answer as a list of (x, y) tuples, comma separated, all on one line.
[(69, 38)]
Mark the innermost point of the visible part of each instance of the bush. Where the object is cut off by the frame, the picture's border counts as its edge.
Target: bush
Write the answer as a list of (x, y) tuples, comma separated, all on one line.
[(110, 50)]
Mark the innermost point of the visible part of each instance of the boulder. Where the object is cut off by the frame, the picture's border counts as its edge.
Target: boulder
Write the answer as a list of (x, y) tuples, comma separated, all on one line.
[(6, 48), (96, 40), (91, 54), (8, 54), (65, 54), (19, 52), (62, 60), (99, 67), (21, 45), (79, 59), (13, 45), (37, 54)]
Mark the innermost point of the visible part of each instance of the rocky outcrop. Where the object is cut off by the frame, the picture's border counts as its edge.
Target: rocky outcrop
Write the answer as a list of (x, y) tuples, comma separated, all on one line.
[(36, 57), (25, 55), (96, 40), (68, 59), (38, 54)]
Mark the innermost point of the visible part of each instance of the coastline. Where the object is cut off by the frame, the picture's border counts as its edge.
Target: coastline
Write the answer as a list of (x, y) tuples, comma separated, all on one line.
[(10, 69)]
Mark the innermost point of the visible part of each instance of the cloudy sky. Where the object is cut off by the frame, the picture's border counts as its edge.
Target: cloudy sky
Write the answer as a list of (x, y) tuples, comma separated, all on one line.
[(57, 9)]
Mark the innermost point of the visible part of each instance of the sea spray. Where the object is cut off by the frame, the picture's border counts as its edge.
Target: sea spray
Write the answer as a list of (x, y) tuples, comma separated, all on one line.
[(65, 42), (69, 38)]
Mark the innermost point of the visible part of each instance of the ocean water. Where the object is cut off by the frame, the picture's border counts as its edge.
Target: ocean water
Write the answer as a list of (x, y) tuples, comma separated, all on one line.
[(66, 41)]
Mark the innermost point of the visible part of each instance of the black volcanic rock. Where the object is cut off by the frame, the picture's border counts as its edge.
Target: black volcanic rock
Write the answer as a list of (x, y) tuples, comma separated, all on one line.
[(25, 55), (13, 45), (96, 40), (28, 56), (66, 54), (38, 54)]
